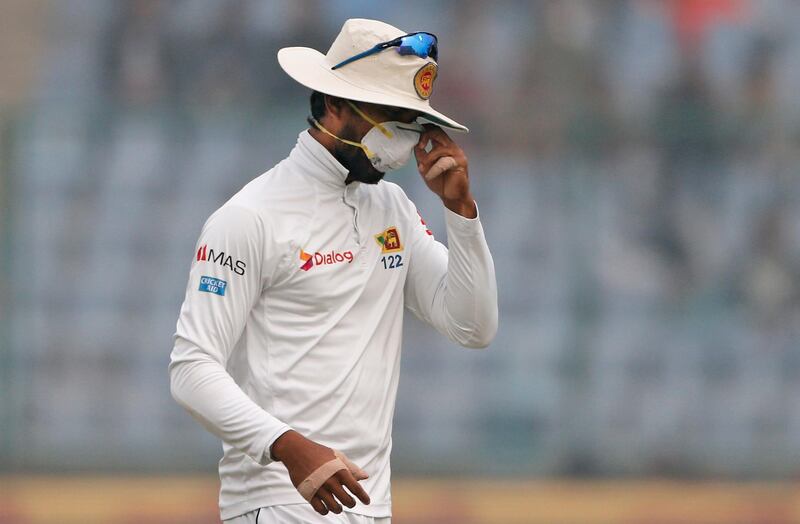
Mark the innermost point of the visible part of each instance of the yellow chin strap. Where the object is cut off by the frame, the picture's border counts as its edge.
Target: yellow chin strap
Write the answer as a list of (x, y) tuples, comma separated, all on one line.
[(363, 115), (381, 128), (367, 152)]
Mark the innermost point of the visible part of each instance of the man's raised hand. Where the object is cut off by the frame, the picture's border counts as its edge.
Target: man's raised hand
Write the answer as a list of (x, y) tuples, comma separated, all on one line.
[(445, 170)]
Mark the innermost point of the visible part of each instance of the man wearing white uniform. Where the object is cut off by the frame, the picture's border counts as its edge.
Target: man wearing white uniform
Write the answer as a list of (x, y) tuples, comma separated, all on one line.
[(288, 342)]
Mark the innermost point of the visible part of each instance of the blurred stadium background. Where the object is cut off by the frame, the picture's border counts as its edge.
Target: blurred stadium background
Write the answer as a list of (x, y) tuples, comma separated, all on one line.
[(638, 171)]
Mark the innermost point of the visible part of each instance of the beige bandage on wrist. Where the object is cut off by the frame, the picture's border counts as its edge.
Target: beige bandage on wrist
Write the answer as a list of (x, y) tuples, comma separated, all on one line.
[(446, 163), (309, 487)]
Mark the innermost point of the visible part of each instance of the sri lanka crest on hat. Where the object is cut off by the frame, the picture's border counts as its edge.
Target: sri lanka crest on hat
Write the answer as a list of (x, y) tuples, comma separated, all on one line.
[(423, 80)]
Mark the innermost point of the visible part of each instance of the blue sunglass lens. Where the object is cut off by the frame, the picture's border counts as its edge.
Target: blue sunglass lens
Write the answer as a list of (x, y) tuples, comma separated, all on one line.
[(422, 45)]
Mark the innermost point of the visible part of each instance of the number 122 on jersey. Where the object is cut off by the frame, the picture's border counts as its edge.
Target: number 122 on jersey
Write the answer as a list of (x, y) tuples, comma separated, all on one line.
[(392, 261)]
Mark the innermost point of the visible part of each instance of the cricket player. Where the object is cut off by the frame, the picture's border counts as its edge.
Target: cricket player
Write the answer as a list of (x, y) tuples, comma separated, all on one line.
[(288, 342)]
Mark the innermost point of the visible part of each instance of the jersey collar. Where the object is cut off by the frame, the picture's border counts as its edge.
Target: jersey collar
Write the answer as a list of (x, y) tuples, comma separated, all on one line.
[(318, 161)]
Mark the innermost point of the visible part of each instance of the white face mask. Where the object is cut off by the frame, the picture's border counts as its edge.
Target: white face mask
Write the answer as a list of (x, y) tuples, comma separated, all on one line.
[(391, 153), (388, 145)]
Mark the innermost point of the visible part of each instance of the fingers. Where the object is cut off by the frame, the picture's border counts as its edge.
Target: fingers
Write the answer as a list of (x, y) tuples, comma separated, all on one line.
[(426, 158), (357, 472), (338, 491), (352, 484), (325, 499), (319, 506), (329, 500), (445, 163), (351, 476), (325, 485), (420, 154), (425, 161), (443, 146), (309, 486), (435, 134)]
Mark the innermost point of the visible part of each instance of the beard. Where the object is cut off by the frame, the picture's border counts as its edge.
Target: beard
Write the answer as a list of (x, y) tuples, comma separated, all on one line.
[(355, 160)]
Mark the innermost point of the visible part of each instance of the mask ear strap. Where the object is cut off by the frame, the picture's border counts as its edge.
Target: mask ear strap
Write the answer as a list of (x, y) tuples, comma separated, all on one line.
[(348, 142), (363, 115)]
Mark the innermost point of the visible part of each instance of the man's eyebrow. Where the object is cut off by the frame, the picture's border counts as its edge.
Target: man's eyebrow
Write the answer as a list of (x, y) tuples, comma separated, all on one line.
[(397, 113), (402, 112)]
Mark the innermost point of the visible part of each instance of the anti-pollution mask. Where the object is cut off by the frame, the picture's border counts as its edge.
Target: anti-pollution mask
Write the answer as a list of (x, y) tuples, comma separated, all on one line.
[(388, 145), (393, 152)]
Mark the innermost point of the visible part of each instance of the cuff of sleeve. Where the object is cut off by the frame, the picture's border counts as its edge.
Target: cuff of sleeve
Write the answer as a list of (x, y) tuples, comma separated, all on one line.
[(462, 225), (267, 457)]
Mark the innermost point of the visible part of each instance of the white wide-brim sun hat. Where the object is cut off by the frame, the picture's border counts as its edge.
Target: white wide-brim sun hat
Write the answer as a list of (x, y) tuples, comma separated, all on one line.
[(386, 78)]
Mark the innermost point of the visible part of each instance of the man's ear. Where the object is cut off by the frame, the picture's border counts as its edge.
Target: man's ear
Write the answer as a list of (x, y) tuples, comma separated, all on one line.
[(334, 106)]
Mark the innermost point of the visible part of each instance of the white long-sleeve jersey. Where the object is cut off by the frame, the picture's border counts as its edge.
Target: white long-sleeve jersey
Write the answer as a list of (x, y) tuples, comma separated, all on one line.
[(293, 319)]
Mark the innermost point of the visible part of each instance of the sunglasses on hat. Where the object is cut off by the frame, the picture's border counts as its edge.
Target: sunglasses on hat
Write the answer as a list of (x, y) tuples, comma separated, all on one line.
[(421, 44)]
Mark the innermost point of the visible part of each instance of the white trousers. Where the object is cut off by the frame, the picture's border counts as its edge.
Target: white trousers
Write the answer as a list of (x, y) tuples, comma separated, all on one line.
[(302, 514)]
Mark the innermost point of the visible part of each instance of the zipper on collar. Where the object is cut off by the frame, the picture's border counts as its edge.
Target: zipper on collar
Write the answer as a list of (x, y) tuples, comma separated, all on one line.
[(355, 211)]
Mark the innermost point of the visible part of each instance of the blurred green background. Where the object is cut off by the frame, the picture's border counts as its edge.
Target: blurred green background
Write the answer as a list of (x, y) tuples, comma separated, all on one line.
[(636, 166)]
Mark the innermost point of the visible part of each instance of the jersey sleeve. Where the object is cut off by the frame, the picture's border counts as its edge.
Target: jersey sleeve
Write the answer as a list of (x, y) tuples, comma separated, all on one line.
[(227, 276), (453, 290)]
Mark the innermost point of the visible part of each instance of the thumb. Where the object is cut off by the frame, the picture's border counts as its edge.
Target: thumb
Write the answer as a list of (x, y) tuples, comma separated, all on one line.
[(357, 472)]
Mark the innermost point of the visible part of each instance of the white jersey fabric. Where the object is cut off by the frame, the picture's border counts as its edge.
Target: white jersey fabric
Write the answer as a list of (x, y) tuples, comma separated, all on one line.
[(302, 514), (293, 319)]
